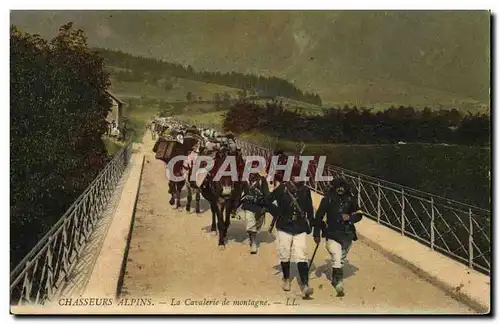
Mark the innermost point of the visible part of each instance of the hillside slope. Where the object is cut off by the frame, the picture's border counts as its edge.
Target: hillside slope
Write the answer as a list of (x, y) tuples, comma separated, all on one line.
[(337, 53), (178, 93)]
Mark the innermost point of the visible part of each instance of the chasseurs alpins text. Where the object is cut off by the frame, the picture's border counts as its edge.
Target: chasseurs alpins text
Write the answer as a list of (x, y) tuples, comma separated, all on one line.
[(102, 302)]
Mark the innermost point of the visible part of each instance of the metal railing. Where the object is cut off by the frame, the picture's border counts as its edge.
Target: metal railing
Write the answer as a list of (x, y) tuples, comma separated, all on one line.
[(42, 272), (457, 230)]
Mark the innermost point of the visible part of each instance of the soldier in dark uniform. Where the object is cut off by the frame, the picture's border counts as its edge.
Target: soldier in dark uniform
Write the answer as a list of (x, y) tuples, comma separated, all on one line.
[(291, 204), (342, 211), (255, 192)]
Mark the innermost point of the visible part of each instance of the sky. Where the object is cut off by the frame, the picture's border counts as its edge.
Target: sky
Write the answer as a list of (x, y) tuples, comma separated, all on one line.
[(445, 50)]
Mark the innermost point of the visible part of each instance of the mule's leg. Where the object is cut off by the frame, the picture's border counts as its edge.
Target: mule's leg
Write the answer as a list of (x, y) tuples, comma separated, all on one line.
[(220, 224), (175, 195), (189, 197), (213, 208), (209, 195), (178, 194), (172, 193), (228, 208), (198, 197)]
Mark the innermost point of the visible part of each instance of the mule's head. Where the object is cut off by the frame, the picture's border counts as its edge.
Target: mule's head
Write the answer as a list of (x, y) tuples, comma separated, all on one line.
[(226, 183), (226, 186)]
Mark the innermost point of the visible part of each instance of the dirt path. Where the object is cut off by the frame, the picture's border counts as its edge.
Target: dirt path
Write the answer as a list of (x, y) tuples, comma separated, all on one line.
[(173, 256)]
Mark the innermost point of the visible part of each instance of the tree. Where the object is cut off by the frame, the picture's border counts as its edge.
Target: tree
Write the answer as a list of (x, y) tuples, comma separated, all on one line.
[(166, 84), (242, 94), (58, 107), (226, 100), (264, 86), (217, 99)]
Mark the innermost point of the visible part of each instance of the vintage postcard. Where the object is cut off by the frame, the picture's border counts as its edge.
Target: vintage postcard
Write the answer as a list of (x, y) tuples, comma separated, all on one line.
[(250, 162)]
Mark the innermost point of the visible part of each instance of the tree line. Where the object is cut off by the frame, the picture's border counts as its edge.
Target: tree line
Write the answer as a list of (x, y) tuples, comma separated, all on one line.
[(138, 69), (361, 125), (58, 107)]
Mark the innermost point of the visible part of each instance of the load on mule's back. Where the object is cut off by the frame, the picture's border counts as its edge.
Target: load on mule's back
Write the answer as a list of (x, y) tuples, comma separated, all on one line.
[(164, 148), (167, 148), (173, 145)]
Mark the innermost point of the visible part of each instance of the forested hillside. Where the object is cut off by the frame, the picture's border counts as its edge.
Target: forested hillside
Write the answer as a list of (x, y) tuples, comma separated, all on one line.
[(129, 68)]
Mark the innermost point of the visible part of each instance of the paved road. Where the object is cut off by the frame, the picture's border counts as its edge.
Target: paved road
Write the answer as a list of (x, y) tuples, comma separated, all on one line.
[(173, 256)]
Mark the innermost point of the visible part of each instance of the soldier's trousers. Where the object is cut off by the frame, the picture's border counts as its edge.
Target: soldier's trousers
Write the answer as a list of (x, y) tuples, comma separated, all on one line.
[(337, 253), (291, 247), (254, 221)]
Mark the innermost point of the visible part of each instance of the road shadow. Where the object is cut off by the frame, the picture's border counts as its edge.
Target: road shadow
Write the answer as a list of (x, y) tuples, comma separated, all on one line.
[(294, 272), (324, 269), (237, 233), (207, 229), (204, 206)]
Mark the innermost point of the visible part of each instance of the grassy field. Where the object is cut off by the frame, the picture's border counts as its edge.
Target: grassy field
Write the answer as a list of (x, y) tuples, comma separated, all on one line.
[(112, 147), (206, 91), (455, 172), (383, 93), (136, 90), (211, 118), (138, 116)]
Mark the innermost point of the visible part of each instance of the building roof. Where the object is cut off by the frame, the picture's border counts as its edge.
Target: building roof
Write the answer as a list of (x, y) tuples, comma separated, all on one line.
[(115, 97)]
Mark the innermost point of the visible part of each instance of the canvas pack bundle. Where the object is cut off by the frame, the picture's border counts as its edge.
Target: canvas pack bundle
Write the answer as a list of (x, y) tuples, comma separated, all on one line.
[(164, 148)]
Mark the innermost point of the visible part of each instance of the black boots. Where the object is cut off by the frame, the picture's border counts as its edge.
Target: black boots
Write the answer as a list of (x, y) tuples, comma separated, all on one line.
[(337, 281), (303, 268), (285, 267)]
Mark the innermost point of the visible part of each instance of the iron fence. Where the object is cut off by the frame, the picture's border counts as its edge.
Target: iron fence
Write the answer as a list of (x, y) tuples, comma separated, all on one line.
[(457, 230), (41, 274)]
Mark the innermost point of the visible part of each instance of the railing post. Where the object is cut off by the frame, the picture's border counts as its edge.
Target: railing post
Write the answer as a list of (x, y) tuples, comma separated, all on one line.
[(124, 156), (359, 191), (471, 229), (379, 202), (432, 223), (402, 212)]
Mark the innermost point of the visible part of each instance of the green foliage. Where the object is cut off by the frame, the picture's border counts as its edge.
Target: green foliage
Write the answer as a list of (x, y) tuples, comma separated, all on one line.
[(58, 108), (456, 172), (240, 118), (112, 147), (362, 126), (453, 171)]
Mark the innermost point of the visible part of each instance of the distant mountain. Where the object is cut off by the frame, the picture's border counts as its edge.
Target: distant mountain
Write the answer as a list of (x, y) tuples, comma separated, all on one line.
[(129, 68), (378, 93)]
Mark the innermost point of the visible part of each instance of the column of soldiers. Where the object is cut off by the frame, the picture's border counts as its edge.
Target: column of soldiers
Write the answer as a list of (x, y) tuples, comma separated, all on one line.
[(290, 205)]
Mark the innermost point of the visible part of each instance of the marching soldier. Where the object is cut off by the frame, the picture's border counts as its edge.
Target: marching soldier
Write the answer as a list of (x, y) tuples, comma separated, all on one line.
[(290, 204), (255, 192), (152, 129), (342, 211), (231, 142)]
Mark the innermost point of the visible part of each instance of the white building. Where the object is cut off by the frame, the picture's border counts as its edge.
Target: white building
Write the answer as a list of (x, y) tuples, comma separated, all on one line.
[(116, 112)]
